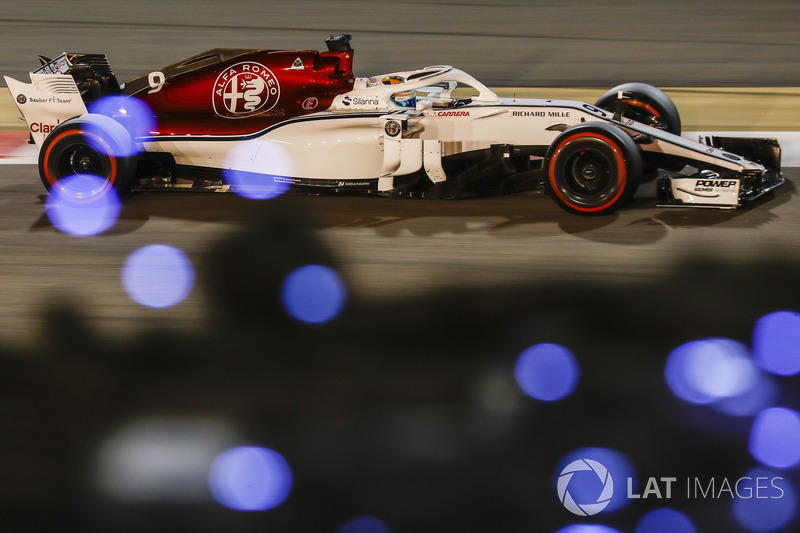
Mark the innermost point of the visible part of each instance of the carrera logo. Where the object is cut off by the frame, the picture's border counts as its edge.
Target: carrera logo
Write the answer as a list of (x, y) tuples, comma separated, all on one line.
[(452, 114), (722, 184), (245, 89)]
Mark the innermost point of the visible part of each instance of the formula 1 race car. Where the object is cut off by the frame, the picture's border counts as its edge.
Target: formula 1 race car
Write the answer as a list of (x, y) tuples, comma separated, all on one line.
[(257, 121)]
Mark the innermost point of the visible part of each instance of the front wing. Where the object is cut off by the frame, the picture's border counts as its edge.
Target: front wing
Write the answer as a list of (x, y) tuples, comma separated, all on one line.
[(706, 188)]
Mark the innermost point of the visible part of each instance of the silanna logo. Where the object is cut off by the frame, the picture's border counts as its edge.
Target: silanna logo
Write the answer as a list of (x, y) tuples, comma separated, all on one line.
[(245, 89), (359, 101)]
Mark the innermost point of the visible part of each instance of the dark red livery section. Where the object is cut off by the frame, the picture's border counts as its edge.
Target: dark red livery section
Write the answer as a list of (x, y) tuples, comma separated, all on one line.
[(237, 92)]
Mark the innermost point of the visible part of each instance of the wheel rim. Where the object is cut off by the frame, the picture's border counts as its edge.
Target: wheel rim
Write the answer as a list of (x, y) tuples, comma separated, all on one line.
[(589, 172), (81, 159)]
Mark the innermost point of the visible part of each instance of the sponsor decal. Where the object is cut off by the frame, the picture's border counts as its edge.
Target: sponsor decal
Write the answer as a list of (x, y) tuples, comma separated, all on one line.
[(40, 127), (49, 100), (297, 65), (725, 184), (21, 99), (392, 128), (310, 103), (552, 114), (244, 90), (353, 184), (452, 114), (358, 100), (713, 185)]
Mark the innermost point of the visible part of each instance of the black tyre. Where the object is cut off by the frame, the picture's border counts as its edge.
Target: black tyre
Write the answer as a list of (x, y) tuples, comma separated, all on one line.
[(90, 144), (647, 104), (593, 168)]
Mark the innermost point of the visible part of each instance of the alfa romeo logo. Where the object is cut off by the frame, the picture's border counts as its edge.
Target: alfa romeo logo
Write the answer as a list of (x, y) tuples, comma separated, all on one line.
[(392, 128), (585, 465), (245, 89)]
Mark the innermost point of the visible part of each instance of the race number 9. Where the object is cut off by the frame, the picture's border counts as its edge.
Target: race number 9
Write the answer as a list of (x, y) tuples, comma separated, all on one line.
[(156, 80)]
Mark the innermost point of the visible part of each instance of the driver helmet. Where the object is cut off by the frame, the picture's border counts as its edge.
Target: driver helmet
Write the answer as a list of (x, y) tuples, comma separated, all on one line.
[(404, 98)]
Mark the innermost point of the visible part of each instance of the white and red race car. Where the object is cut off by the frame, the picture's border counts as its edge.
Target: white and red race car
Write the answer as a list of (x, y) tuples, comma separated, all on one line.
[(259, 121)]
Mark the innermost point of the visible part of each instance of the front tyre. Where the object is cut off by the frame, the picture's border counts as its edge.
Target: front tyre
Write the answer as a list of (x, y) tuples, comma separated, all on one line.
[(646, 104), (593, 168), (93, 145)]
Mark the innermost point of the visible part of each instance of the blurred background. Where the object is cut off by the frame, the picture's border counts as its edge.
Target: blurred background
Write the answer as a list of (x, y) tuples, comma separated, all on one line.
[(510, 43), (379, 365)]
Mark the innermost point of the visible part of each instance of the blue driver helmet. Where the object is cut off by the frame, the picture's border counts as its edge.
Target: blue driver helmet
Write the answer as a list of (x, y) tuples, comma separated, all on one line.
[(404, 98)]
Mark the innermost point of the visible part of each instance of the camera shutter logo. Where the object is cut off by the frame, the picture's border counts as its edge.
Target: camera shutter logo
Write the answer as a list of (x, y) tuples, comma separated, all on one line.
[(585, 509)]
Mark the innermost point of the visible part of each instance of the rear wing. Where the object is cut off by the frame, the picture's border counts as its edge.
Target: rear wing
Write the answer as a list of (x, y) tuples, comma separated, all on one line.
[(47, 101), (60, 89)]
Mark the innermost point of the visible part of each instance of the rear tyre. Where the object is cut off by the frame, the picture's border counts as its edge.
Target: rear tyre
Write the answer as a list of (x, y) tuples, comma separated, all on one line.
[(647, 104), (93, 145), (593, 168)]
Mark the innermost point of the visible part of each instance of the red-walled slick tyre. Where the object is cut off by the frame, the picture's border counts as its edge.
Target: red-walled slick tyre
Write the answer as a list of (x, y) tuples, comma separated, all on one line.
[(593, 168), (89, 145)]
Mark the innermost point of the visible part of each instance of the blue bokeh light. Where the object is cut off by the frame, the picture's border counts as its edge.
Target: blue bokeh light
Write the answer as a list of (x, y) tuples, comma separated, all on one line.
[(776, 343), (256, 186), (775, 437), (250, 478), (585, 487), (158, 276), (709, 370), (771, 505), (665, 520), (314, 294), (587, 528), (83, 204), (364, 524), (764, 393), (134, 114), (547, 372)]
